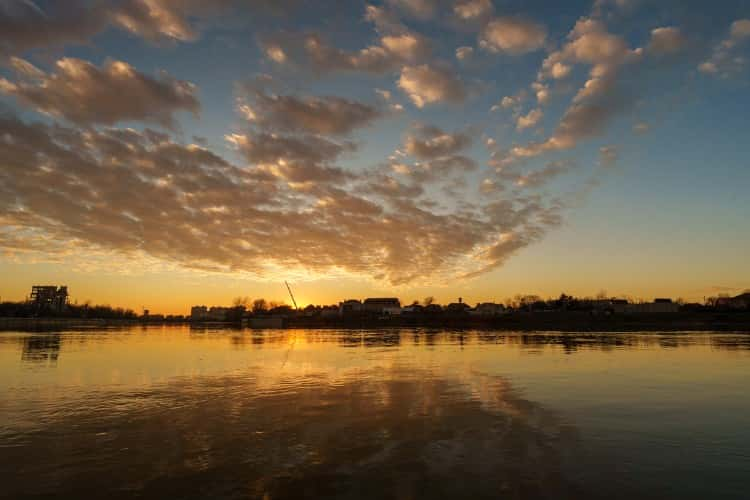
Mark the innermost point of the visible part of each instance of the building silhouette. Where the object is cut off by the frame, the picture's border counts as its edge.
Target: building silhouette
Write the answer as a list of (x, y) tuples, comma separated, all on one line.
[(49, 297)]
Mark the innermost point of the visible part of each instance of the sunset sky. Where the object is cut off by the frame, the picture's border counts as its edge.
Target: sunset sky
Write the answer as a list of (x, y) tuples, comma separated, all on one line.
[(165, 153)]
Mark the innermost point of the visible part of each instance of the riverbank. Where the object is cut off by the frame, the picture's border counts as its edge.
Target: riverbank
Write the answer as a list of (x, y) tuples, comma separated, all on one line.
[(519, 321), (547, 321), (38, 324)]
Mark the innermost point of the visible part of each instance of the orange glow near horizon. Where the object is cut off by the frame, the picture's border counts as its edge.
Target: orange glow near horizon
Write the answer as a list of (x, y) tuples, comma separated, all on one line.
[(176, 292)]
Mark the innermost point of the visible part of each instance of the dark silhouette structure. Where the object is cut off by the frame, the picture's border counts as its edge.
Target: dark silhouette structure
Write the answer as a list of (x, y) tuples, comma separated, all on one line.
[(49, 297), (379, 305)]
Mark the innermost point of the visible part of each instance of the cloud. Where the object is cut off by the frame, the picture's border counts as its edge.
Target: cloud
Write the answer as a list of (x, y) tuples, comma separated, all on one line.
[(511, 102), (290, 137), (422, 9), (724, 61), (596, 102), (446, 169), (385, 20), (608, 156), (86, 94), (273, 150), (26, 26), (429, 142), (429, 84), (529, 120), (463, 53), (666, 40), (140, 193), (512, 35), (310, 50), (641, 128), (156, 20), (312, 114), (537, 178), (469, 10), (559, 70), (740, 29), (606, 8)]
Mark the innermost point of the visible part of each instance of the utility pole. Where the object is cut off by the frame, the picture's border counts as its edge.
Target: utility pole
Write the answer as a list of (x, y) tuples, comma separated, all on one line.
[(291, 295)]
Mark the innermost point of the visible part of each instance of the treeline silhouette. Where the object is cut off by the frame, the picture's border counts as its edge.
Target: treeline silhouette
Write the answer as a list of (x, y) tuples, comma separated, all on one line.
[(87, 310)]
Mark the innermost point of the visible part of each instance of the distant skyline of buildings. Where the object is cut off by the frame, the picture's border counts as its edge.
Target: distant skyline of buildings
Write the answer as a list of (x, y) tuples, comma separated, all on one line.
[(55, 298)]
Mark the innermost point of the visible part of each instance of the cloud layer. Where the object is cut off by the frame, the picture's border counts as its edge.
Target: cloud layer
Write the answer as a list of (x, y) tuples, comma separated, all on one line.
[(194, 208), (86, 94)]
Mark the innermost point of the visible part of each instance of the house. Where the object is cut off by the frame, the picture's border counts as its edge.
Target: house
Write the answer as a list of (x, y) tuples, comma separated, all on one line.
[(458, 307), (329, 312), (619, 305), (657, 306), (412, 309), (199, 313), (433, 309), (487, 309), (282, 311), (741, 301), (217, 313), (379, 305), (392, 311), (610, 306), (350, 307)]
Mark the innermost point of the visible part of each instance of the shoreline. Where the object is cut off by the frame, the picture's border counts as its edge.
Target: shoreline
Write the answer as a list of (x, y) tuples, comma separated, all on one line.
[(520, 322)]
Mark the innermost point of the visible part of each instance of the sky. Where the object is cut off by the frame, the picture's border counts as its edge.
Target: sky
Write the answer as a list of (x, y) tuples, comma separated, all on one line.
[(165, 153)]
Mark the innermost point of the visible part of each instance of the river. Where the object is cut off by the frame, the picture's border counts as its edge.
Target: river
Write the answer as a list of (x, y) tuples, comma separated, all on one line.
[(175, 412)]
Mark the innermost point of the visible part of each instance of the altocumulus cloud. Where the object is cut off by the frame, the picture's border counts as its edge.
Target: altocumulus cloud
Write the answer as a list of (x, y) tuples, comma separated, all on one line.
[(312, 51), (86, 94), (27, 25), (140, 192), (425, 84), (287, 199)]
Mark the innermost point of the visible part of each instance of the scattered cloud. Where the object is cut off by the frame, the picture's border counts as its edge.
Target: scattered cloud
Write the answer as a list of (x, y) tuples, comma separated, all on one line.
[(463, 53), (86, 94), (470, 10), (666, 40), (197, 210), (297, 138), (641, 128), (512, 102), (26, 26), (596, 102), (608, 156), (429, 142), (531, 119), (514, 36), (317, 115), (312, 51), (537, 178), (724, 60), (288, 199), (426, 84), (422, 9)]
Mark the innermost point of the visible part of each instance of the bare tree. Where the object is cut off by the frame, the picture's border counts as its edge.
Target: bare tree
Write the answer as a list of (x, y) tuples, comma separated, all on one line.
[(241, 301), (260, 305)]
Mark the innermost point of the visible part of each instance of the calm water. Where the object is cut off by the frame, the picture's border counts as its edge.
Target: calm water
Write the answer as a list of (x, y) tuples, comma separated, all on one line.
[(186, 413)]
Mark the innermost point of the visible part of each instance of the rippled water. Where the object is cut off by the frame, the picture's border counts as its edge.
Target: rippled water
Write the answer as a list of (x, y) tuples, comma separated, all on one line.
[(196, 413)]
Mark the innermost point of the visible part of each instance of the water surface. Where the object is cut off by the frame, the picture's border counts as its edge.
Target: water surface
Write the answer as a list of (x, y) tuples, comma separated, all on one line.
[(201, 413)]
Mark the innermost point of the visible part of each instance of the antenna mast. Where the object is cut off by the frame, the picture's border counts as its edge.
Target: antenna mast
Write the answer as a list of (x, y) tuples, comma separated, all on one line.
[(291, 295)]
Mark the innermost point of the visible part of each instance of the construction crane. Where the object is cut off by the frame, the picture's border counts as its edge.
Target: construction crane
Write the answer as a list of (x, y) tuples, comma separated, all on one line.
[(291, 295)]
